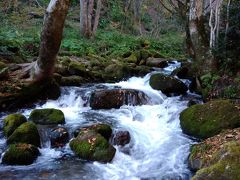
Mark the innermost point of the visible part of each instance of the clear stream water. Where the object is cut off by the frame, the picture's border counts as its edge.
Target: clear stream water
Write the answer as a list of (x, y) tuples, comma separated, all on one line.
[(158, 148)]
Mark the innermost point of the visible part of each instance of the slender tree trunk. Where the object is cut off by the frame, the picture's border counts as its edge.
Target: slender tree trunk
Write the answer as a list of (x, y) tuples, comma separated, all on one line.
[(97, 17), (137, 14), (89, 17), (51, 37)]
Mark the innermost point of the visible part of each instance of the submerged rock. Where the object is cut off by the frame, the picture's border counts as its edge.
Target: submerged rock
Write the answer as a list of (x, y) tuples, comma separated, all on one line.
[(89, 145), (47, 116), (167, 84), (59, 137), (11, 122), (206, 120), (20, 154), (115, 98), (121, 138), (25, 133)]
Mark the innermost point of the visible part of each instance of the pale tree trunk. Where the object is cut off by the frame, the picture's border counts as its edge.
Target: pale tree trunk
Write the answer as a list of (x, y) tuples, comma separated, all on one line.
[(51, 37), (137, 14), (89, 17), (199, 38)]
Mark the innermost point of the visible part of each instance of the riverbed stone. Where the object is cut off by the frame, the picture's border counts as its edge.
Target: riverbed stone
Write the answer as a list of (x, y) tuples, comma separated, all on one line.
[(121, 138), (25, 133), (11, 122), (104, 129), (20, 154), (115, 98), (59, 137), (167, 84), (206, 120), (49, 116), (92, 146), (156, 62)]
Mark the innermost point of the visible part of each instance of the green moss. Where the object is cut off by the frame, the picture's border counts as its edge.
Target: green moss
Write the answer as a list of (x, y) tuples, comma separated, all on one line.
[(25, 133), (90, 145), (203, 121), (20, 154), (11, 122), (2, 65), (104, 129), (226, 167), (77, 68), (47, 116), (132, 58)]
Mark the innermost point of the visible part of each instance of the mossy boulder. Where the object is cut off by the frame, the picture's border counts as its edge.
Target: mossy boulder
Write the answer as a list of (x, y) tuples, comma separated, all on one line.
[(156, 62), (20, 154), (77, 68), (206, 120), (72, 81), (104, 129), (184, 72), (11, 122), (132, 58), (115, 98), (89, 145), (225, 165), (25, 133), (167, 84), (47, 116), (116, 72)]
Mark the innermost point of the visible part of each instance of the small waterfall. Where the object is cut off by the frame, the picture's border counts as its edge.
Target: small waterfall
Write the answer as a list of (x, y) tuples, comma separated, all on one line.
[(158, 149)]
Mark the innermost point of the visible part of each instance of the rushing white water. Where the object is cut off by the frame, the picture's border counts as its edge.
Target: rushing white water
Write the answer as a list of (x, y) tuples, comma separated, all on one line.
[(158, 148)]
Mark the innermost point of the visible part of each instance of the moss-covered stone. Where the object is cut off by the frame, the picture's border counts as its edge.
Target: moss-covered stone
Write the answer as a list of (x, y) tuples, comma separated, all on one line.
[(20, 154), (72, 81), (156, 62), (11, 122), (89, 145), (167, 84), (47, 116), (132, 58), (103, 129), (203, 121), (225, 165), (77, 68), (25, 133)]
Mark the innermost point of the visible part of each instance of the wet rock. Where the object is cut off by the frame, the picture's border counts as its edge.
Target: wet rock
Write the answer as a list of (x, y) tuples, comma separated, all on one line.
[(184, 72), (25, 133), (20, 154), (193, 102), (12, 122), (121, 138), (115, 98), (156, 62), (47, 116), (206, 120), (103, 129), (59, 137), (115, 72), (72, 81), (3, 73), (89, 145), (167, 84)]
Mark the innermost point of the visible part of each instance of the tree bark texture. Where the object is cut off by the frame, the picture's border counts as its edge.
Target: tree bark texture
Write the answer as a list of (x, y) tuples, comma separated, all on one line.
[(51, 37)]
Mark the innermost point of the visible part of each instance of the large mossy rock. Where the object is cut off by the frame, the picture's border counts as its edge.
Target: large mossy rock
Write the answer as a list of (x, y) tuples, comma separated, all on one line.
[(11, 122), (103, 129), (25, 133), (20, 154), (115, 98), (225, 164), (89, 145), (167, 84), (47, 116), (116, 72), (206, 120), (156, 62)]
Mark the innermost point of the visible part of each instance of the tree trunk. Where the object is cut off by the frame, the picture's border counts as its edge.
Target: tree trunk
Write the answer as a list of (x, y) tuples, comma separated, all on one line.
[(137, 15), (199, 37), (88, 19), (51, 37)]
